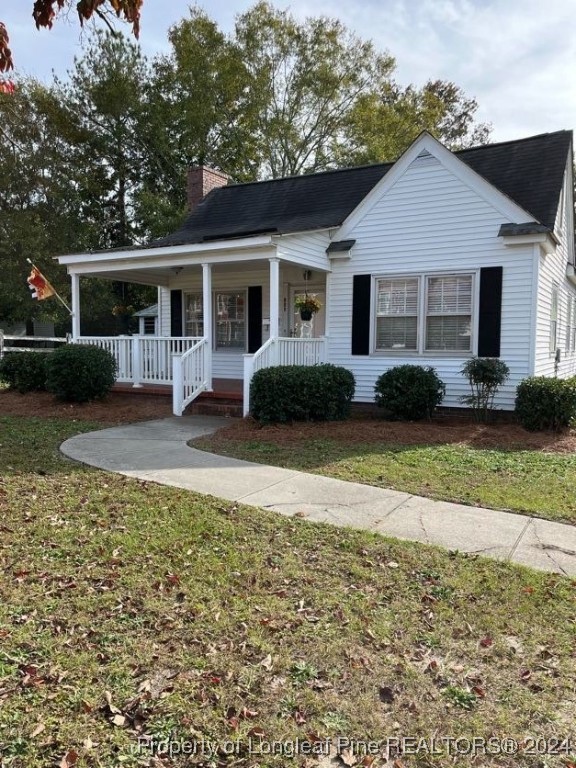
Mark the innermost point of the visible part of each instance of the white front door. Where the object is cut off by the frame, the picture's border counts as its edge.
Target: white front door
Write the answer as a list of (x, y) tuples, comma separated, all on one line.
[(314, 328)]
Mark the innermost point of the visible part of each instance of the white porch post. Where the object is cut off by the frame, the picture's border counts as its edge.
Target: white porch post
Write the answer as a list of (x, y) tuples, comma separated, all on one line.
[(75, 278), (208, 314), (274, 298)]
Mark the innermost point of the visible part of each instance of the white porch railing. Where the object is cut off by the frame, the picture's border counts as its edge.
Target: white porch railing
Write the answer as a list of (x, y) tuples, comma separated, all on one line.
[(282, 351), (189, 375), (143, 359)]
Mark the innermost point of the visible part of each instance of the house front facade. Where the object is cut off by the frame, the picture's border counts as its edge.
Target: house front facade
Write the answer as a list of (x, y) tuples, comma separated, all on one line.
[(429, 260)]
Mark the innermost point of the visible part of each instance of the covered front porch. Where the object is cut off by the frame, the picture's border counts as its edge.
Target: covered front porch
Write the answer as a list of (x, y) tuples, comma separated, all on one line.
[(224, 312)]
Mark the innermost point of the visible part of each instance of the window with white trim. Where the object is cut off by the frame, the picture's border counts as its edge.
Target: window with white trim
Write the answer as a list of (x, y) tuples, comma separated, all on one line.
[(554, 319), (449, 313), (194, 314), (230, 326), (424, 313), (397, 314)]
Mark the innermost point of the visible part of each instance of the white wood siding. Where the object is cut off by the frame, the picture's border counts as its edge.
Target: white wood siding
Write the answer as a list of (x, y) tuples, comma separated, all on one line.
[(229, 365), (307, 249), (430, 221), (552, 271)]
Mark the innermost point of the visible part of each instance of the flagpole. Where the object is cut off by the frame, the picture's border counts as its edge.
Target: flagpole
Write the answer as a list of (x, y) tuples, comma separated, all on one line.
[(54, 289)]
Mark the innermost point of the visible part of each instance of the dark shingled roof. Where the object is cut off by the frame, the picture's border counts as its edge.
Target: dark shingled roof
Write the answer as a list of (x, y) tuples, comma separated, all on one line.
[(530, 171)]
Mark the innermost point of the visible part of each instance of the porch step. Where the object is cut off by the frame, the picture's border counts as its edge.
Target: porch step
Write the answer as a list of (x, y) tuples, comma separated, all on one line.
[(217, 404)]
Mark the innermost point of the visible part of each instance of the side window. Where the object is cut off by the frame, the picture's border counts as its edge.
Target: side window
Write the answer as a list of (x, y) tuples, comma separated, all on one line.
[(554, 320), (194, 315)]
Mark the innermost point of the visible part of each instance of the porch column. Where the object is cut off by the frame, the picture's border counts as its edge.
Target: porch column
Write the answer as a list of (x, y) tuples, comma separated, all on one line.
[(208, 314), (274, 297), (75, 278)]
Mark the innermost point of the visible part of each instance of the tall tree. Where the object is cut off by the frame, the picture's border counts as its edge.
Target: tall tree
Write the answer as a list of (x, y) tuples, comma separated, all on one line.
[(383, 123), (304, 80)]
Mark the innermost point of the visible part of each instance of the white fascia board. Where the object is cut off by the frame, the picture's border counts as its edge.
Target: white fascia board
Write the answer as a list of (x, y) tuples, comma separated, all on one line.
[(545, 242), (195, 249), (195, 260), (510, 210)]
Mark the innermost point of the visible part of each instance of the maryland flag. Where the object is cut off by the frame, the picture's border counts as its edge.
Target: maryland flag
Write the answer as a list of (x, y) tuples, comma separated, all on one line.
[(39, 285)]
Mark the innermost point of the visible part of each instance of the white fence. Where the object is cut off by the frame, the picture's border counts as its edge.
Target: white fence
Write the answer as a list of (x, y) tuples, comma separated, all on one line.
[(282, 351), (32, 343), (143, 359)]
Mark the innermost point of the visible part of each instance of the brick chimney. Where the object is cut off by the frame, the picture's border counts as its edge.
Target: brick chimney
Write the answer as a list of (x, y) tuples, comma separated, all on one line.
[(202, 180)]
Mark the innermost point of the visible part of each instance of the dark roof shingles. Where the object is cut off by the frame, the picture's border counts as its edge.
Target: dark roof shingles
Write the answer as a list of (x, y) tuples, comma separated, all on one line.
[(529, 171)]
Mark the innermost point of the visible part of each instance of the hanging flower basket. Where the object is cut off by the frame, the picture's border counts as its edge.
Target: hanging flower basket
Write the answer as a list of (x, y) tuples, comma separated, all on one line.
[(307, 305)]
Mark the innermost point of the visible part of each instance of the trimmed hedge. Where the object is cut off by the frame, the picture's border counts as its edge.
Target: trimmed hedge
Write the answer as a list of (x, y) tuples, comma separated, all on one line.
[(79, 373), (546, 403), (301, 393), (24, 371), (409, 392)]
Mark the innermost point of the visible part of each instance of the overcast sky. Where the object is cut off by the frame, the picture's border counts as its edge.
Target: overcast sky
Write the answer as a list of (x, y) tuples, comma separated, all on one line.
[(518, 59)]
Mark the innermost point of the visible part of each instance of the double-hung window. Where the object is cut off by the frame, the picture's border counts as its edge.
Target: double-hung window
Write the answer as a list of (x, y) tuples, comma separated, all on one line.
[(230, 328), (397, 313), (554, 320), (424, 313), (194, 314), (449, 313)]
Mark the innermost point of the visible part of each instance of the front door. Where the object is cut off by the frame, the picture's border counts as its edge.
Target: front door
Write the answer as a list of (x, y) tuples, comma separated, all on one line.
[(314, 328)]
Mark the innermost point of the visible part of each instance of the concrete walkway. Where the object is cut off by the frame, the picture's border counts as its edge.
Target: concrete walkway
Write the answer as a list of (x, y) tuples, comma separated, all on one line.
[(157, 451)]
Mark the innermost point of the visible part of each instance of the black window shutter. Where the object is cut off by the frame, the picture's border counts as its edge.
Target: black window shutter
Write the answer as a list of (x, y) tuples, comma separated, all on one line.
[(254, 318), (490, 319), (361, 288), (176, 313)]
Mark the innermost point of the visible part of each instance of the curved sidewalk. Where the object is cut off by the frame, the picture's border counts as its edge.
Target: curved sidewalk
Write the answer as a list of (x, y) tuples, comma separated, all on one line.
[(157, 451)]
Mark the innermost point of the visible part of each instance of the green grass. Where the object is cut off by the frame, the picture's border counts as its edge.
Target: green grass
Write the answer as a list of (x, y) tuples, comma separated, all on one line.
[(530, 482), (128, 609)]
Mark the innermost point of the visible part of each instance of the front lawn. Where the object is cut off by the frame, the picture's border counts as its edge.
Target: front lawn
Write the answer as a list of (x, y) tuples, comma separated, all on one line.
[(500, 466), (131, 610)]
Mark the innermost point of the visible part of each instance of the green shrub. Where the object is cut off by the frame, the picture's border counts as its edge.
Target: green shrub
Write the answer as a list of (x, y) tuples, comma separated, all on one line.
[(546, 403), (24, 371), (409, 392), (79, 373), (485, 376), (301, 393)]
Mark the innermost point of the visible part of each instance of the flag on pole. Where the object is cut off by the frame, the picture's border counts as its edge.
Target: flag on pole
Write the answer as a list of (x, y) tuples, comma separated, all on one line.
[(39, 285)]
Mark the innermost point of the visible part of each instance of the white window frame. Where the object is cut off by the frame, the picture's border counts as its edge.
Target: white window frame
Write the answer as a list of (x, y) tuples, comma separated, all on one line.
[(401, 351), (428, 314), (199, 295), (421, 350), (554, 303), (233, 292)]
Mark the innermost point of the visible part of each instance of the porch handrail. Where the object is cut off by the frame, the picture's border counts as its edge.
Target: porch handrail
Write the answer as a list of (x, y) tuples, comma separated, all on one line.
[(188, 376), (282, 351)]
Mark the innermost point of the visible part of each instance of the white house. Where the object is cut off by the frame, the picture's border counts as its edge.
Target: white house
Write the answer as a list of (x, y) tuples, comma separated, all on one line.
[(428, 260)]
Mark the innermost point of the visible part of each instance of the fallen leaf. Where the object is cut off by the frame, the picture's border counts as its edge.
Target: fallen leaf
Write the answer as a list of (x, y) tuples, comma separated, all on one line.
[(70, 759), (119, 720), (348, 757), (267, 662), (38, 730), (486, 642)]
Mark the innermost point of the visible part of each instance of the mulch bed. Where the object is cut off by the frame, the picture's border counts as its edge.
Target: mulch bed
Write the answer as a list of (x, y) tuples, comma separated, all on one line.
[(117, 408), (366, 429), (363, 427)]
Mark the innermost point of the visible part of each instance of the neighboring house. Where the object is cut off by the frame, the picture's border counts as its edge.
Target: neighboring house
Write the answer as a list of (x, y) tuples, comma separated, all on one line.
[(428, 260), (148, 320)]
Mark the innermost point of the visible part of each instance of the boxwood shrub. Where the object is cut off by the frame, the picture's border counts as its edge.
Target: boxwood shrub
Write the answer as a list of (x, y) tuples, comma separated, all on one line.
[(24, 371), (301, 393), (546, 403), (80, 373), (409, 392)]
